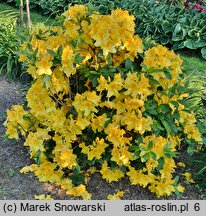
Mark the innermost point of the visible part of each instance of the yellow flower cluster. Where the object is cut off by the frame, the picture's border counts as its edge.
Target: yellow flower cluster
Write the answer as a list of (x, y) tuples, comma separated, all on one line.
[(91, 108), (95, 150), (116, 196), (111, 174), (43, 197), (17, 123), (161, 58), (114, 35), (188, 177)]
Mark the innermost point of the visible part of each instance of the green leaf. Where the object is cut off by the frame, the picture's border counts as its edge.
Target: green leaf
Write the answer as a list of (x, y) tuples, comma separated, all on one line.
[(200, 43), (166, 26), (51, 52), (93, 72), (168, 75), (100, 54), (144, 66), (172, 91), (194, 22), (178, 38), (74, 44), (189, 43), (161, 162), (192, 33), (183, 20), (178, 194), (107, 122), (128, 64), (150, 145), (38, 158), (78, 58), (203, 51), (177, 28), (153, 81), (163, 108), (59, 51), (167, 146), (109, 59), (145, 157), (164, 40), (46, 80), (77, 178), (166, 125), (176, 180), (95, 82), (175, 103), (136, 154), (123, 168), (157, 128), (35, 52), (153, 155), (150, 107), (176, 115), (26, 117), (203, 170), (204, 140), (180, 35), (190, 150)]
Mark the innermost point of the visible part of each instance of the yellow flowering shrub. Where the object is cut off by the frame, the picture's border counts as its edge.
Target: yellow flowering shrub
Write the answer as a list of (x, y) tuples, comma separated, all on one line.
[(102, 101)]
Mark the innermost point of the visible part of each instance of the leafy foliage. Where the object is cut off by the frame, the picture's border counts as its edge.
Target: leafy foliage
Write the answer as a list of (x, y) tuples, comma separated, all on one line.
[(56, 7), (172, 2), (169, 24), (172, 25), (103, 101), (9, 43), (197, 102)]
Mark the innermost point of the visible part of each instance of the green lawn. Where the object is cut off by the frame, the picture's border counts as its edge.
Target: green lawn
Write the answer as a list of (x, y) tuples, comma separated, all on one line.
[(194, 64), (35, 17)]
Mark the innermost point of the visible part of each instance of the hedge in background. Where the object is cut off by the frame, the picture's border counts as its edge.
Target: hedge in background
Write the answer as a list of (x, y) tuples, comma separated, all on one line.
[(101, 101)]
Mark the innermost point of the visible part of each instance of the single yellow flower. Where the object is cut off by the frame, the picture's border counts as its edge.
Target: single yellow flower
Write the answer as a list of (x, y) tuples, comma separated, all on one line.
[(180, 188), (188, 177), (180, 164)]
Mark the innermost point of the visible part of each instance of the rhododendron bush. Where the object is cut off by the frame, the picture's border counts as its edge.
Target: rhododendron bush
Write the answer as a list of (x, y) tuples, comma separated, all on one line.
[(102, 101)]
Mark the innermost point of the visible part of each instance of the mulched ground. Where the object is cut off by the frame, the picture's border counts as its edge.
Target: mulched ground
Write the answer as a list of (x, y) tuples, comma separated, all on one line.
[(14, 156)]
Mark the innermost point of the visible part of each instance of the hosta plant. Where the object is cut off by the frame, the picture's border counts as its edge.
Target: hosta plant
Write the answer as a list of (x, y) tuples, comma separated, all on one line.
[(103, 100), (173, 26)]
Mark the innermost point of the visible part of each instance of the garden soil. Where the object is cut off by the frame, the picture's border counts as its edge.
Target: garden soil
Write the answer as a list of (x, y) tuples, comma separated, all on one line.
[(14, 156)]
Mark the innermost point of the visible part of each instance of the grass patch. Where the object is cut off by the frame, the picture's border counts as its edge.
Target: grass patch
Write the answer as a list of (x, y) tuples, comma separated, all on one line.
[(193, 63), (194, 67), (35, 16)]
